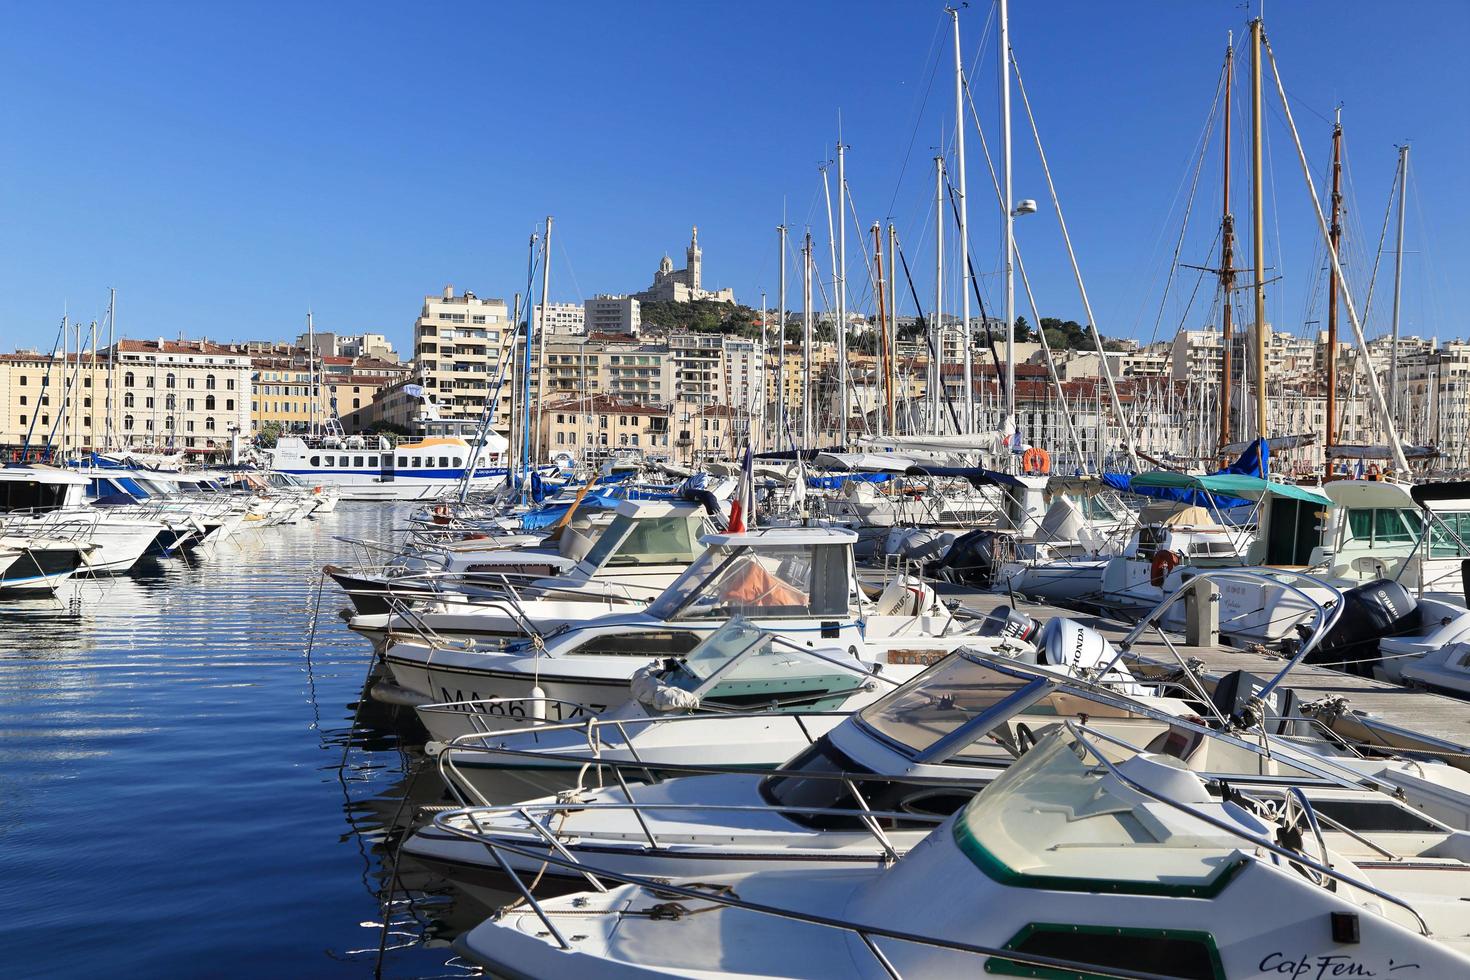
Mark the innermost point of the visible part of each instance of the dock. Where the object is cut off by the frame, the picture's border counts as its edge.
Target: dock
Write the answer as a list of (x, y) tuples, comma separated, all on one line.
[(1373, 712)]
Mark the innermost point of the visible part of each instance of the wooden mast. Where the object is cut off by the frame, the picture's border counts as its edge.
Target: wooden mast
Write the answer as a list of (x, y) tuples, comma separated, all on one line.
[(1335, 237), (1258, 243), (1227, 262)]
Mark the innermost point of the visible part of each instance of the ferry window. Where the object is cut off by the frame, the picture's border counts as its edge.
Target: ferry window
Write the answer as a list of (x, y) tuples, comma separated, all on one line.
[(402, 460), (328, 461), (456, 461), (316, 461), (443, 462), (357, 461), (418, 461)]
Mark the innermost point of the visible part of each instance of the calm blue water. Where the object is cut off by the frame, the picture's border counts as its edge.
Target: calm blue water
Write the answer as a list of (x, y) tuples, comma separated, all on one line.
[(173, 798)]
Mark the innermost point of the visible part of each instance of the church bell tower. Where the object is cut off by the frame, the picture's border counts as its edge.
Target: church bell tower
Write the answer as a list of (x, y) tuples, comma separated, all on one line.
[(694, 260)]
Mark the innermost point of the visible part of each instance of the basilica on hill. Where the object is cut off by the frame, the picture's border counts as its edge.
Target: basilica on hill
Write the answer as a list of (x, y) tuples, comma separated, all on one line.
[(684, 285)]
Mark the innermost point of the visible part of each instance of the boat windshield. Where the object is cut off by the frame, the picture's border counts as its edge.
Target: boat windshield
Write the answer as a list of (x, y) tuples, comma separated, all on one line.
[(1053, 816), (789, 581), (742, 654), (629, 541), (938, 714)]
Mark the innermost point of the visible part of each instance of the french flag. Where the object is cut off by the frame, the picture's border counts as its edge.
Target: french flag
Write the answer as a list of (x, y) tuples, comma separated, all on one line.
[(740, 508)]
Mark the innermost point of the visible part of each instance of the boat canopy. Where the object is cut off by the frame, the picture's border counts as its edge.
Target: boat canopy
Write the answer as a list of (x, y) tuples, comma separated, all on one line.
[(1229, 484)]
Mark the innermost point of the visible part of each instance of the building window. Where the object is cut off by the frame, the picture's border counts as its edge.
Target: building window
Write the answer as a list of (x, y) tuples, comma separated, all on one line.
[(229, 384), (209, 383), (127, 380), (188, 403), (189, 382), (169, 381), (22, 399), (208, 403), (22, 420), (229, 404), (170, 402), (189, 425), (24, 380), (148, 401), (209, 424)]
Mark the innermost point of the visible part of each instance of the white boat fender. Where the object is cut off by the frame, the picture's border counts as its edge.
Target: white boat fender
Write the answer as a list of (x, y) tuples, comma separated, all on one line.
[(538, 703)]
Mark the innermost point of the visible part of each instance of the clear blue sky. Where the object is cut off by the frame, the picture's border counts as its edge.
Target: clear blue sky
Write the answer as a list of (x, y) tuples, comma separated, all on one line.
[(227, 166)]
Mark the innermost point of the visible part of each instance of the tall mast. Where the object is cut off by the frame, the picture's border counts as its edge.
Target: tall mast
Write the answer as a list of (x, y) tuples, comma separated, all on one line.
[(781, 340), (1398, 283), (112, 399), (1335, 238), (1258, 208), (842, 385), (1227, 260), (832, 249), (311, 374), (882, 360), (806, 342), (964, 231), (541, 394), (1008, 424), (765, 376), (892, 346), (92, 417), (936, 324)]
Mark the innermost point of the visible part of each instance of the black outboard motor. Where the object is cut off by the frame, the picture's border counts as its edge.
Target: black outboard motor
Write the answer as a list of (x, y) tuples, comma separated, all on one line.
[(1007, 622), (969, 561), (1369, 613)]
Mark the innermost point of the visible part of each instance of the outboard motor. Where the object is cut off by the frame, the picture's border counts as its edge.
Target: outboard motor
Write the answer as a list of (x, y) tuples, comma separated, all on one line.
[(1235, 695), (1067, 643), (1006, 622), (969, 561), (1369, 613)]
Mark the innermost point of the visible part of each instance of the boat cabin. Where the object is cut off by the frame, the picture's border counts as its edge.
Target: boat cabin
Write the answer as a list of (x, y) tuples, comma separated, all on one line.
[(39, 488)]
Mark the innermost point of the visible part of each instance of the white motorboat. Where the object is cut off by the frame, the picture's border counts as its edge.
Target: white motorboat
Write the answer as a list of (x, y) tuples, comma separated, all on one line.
[(798, 580), (1204, 876)]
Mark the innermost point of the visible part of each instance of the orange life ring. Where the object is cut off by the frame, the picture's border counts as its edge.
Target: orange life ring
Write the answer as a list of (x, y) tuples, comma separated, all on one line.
[(1164, 562), (1036, 461)]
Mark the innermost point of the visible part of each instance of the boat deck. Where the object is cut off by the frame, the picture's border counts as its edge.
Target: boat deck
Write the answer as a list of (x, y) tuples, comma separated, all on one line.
[(1376, 712)]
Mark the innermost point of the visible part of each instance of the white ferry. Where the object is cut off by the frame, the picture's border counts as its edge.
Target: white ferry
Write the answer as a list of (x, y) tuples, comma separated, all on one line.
[(372, 468)]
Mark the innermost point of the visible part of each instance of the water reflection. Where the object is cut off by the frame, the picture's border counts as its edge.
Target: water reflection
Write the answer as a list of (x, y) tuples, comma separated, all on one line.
[(253, 797)]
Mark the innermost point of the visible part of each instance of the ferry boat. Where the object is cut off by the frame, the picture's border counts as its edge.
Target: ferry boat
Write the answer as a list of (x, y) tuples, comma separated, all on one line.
[(372, 468)]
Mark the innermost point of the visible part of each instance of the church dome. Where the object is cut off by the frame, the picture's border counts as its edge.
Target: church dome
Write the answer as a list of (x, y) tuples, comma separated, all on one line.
[(666, 265)]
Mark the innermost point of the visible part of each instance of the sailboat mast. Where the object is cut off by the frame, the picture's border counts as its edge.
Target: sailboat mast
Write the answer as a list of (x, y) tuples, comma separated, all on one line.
[(1227, 260), (882, 352), (311, 374), (936, 325), (1335, 239), (111, 366), (891, 348), (541, 393), (1398, 283), (832, 251), (765, 376), (806, 342), (1008, 424), (781, 339), (959, 152), (842, 385), (1258, 208)]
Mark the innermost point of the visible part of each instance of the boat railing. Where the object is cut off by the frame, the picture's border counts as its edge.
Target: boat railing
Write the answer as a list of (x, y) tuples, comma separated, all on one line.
[(1322, 868), (870, 934), (1325, 616)]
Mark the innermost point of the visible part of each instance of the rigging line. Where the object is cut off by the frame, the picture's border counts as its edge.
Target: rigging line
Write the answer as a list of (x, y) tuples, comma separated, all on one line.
[(1382, 237), (863, 252), (919, 114), (928, 336), (561, 241), (1204, 148)]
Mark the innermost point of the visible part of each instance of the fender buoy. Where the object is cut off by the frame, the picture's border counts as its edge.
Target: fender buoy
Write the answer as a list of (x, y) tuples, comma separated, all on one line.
[(1164, 562), (1036, 461)]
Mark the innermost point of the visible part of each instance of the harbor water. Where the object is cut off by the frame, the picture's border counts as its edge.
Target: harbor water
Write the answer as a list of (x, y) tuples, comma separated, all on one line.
[(185, 791)]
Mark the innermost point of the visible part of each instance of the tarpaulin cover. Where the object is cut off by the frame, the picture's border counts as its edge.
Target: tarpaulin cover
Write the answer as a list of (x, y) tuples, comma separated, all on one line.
[(547, 516), (833, 482)]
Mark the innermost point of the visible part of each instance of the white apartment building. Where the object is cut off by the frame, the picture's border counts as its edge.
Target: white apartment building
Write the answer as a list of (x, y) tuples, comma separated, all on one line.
[(461, 345), (328, 344), (561, 319)]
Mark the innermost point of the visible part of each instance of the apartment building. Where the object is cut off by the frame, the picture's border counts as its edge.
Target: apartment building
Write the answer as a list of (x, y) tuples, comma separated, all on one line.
[(461, 349), (561, 319), (612, 314), (593, 428)]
